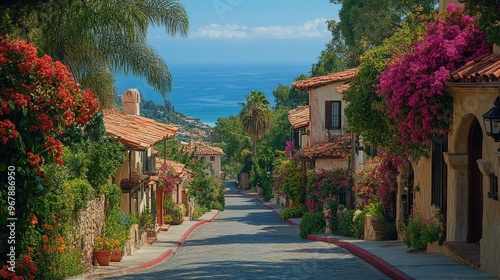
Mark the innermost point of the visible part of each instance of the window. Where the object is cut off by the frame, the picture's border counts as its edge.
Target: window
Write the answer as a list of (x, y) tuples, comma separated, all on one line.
[(438, 197), (202, 158), (333, 115), (212, 158)]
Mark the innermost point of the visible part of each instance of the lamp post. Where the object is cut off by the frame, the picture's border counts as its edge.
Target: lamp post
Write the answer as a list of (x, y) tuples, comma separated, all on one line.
[(492, 121)]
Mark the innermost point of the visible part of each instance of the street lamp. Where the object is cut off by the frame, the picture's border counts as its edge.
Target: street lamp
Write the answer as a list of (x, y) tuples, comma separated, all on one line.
[(492, 121)]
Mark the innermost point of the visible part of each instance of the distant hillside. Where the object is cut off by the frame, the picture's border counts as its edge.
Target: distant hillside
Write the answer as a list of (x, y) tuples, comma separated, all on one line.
[(189, 128)]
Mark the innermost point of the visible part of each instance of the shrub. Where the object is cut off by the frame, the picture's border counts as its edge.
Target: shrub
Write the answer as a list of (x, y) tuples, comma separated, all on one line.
[(344, 221), (292, 212), (198, 212), (312, 223), (418, 231), (216, 205), (82, 192)]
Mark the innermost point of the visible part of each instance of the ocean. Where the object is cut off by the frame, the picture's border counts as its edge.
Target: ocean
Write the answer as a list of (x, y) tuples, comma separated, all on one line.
[(211, 91)]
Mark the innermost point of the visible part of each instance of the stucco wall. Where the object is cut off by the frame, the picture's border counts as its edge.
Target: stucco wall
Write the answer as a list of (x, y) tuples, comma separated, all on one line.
[(88, 226), (317, 98), (469, 104), (329, 164)]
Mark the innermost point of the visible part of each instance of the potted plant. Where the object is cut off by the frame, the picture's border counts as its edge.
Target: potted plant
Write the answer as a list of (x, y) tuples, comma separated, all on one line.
[(151, 230), (103, 247)]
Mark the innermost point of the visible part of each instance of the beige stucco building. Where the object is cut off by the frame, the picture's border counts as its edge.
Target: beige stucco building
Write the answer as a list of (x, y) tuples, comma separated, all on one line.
[(138, 135), (461, 176), (320, 129)]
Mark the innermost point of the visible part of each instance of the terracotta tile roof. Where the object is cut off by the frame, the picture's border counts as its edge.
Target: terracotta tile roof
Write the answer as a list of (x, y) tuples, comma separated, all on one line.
[(316, 82), (136, 132), (299, 117), (339, 148), (485, 68), (202, 149), (342, 88), (179, 168)]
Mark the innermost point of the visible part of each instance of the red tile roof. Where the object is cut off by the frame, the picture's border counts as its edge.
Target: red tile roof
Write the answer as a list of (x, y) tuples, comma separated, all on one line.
[(339, 148), (299, 117), (177, 167), (342, 88), (202, 149), (316, 82), (485, 68), (136, 132)]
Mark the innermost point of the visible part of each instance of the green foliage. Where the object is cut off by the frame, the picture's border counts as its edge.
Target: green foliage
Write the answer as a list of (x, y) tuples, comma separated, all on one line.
[(116, 228), (112, 194), (81, 192), (342, 222), (255, 116), (207, 190), (363, 105), (292, 212), (291, 181), (488, 15), (143, 220), (287, 98), (312, 223), (419, 231), (198, 212), (104, 159)]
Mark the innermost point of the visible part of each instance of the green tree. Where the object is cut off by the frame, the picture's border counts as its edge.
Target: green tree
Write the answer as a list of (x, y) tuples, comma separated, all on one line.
[(488, 17), (287, 97), (363, 105), (255, 116), (98, 38), (363, 25)]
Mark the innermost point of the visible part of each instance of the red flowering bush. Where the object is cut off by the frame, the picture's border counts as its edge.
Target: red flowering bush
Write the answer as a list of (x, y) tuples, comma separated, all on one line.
[(377, 180), (39, 102), (413, 85), (324, 185), (39, 99), (167, 178)]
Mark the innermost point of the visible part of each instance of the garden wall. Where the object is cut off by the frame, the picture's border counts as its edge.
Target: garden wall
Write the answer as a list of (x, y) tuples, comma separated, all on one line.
[(88, 226)]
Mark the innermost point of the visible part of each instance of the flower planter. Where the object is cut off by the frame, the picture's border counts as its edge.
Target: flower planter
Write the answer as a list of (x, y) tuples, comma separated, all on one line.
[(116, 255), (151, 233), (102, 257)]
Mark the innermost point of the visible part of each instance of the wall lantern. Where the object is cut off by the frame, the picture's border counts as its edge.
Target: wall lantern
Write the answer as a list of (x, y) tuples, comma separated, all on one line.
[(492, 121)]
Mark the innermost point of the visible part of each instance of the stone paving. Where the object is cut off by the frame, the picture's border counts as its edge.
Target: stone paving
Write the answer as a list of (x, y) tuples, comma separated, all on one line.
[(248, 241)]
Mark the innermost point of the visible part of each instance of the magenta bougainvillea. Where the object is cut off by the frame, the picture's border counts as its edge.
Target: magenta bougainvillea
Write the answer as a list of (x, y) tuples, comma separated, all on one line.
[(324, 186), (377, 180), (167, 178), (413, 84)]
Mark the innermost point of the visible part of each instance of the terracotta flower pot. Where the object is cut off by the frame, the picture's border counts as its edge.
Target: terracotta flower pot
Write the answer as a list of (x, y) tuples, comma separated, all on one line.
[(116, 255), (102, 257)]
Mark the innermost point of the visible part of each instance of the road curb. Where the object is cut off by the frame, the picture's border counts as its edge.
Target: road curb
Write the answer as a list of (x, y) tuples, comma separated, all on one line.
[(157, 260), (380, 264)]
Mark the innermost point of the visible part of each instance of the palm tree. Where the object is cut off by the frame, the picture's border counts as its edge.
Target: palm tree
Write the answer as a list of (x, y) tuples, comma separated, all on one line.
[(96, 39), (255, 116)]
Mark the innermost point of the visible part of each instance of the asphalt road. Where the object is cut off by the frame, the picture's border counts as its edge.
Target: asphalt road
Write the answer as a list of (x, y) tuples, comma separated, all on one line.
[(248, 241)]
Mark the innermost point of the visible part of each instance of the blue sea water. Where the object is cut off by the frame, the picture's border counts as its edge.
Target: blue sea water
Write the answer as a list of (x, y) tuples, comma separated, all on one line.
[(210, 91)]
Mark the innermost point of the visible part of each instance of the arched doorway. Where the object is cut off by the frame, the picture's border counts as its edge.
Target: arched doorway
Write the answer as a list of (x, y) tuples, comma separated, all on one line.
[(475, 213)]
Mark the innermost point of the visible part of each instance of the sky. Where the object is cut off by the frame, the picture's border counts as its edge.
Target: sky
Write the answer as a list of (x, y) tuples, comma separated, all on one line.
[(249, 31)]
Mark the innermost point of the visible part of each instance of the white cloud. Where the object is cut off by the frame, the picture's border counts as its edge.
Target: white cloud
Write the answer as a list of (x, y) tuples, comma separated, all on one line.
[(315, 28)]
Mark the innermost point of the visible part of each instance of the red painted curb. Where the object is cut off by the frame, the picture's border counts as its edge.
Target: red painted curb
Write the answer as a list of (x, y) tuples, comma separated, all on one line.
[(192, 228), (377, 262), (153, 262)]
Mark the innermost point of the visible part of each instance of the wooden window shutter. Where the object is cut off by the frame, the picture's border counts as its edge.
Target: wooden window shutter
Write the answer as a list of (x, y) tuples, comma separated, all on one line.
[(328, 114)]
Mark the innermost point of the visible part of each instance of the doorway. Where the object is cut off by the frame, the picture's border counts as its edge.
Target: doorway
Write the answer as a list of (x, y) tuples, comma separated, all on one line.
[(475, 213)]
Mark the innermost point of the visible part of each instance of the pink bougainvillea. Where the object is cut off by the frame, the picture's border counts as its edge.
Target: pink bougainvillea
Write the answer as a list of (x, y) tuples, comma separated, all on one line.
[(413, 85), (167, 178)]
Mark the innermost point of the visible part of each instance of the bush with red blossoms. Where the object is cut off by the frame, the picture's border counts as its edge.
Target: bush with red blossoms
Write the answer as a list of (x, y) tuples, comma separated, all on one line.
[(39, 99), (167, 179), (413, 85), (324, 185), (39, 102)]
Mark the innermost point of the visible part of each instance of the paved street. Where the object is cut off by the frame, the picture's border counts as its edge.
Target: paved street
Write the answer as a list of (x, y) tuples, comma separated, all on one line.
[(248, 241)]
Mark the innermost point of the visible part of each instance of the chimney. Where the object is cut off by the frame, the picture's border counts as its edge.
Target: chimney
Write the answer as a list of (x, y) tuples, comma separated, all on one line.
[(131, 100)]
